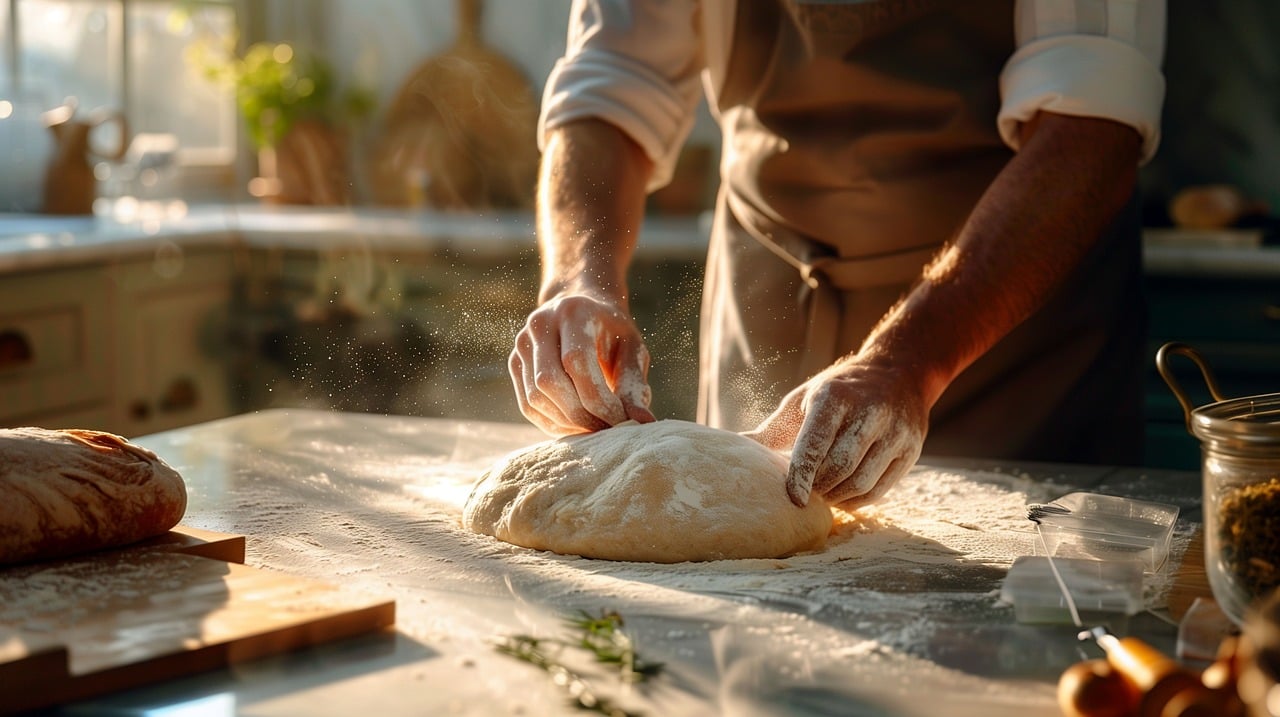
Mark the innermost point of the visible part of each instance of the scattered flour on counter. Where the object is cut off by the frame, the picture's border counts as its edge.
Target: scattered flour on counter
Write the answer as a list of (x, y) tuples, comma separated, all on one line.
[(888, 606), (908, 556)]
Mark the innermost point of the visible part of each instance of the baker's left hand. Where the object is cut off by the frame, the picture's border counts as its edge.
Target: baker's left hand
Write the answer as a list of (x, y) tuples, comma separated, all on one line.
[(854, 430)]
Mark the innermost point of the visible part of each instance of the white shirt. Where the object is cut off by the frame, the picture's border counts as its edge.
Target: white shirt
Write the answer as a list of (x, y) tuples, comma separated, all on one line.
[(639, 64)]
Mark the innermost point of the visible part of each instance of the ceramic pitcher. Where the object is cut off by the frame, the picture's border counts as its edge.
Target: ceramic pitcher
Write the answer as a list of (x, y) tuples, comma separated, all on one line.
[(69, 183)]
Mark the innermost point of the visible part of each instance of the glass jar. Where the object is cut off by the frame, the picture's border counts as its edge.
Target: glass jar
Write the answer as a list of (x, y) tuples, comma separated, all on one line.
[(1240, 444), (1240, 451)]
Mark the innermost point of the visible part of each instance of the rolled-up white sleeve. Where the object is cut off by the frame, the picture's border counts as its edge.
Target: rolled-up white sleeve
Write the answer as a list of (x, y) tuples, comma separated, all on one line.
[(1087, 58), (635, 64)]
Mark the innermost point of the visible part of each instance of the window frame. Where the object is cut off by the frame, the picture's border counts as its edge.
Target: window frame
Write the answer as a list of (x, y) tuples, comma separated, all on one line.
[(203, 173)]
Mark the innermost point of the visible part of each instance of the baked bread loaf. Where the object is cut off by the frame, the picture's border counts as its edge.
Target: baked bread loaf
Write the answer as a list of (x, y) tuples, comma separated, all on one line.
[(64, 492)]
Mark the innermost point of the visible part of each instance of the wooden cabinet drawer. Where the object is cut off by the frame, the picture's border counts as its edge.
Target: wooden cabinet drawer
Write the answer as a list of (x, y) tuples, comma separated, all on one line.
[(54, 342)]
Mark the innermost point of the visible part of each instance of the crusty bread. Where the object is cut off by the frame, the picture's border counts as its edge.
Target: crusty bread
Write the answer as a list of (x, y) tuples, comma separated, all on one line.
[(64, 492)]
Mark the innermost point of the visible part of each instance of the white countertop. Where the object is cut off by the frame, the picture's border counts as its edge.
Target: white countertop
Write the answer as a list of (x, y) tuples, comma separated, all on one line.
[(899, 615), (34, 241), (29, 241)]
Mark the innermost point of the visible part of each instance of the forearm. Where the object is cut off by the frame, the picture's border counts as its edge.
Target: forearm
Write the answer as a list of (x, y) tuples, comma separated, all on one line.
[(590, 207), (1036, 221)]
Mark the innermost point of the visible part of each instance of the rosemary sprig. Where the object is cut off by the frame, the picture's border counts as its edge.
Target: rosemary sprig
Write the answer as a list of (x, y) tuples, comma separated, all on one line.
[(530, 649), (604, 638)]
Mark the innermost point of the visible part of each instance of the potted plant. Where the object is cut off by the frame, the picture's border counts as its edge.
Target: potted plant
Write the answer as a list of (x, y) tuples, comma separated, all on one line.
[(294, 118)]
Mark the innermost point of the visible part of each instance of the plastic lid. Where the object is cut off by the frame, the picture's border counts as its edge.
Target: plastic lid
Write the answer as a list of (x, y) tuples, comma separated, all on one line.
[(1107, 527)]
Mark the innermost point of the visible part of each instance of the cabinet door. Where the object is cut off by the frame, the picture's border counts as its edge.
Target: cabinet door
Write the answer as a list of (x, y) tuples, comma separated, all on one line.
[(171, 343), (54, 343)]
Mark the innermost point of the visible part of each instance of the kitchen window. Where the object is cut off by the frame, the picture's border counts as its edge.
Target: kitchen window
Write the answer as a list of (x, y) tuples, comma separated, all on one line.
[(132, 56)]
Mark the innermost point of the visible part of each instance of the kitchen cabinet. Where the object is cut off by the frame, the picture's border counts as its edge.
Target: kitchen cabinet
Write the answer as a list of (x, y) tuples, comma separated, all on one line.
[(55, 338), (126, 345), (170, 318), (406, 331), (1234, 322)]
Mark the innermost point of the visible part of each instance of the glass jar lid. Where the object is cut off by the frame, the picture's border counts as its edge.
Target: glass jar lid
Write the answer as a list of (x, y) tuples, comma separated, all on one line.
[(1250, 424)]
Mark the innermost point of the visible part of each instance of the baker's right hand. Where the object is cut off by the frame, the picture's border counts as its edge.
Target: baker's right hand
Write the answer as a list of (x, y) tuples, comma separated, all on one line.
[(853, 429), (580, 365)]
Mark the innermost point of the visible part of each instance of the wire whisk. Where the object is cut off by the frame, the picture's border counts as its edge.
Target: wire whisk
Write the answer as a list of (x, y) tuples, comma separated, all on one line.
[(1037, 511)]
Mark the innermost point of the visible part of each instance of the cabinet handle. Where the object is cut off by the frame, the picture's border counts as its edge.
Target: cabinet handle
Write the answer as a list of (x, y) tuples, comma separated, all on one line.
[(139, 410), (15, 349), (182, 395), (1271, 312)]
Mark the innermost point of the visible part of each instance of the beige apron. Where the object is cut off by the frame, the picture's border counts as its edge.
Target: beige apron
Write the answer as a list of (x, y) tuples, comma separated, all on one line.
[(857, 138)]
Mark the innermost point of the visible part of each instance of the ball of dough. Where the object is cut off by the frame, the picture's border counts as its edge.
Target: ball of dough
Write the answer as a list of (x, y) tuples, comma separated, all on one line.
[(663, 492)]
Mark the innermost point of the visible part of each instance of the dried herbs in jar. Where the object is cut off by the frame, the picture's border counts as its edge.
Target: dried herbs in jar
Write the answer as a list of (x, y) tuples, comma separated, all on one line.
[(1249, 535)]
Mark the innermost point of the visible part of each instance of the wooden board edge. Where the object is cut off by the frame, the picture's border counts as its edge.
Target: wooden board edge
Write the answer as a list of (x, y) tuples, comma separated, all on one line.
[(33, 668), (374, 617), (227, 547)]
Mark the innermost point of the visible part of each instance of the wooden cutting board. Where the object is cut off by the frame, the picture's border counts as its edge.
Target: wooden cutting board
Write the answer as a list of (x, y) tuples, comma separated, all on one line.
[(180, 604), (1190, 582)]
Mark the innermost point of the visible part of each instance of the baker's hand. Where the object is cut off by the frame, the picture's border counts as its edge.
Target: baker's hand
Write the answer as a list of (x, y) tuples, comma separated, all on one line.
[(854, 430), (580, 365)]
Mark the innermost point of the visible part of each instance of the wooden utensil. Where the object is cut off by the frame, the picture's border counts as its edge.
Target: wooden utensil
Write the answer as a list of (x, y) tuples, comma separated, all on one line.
[(460, 134)]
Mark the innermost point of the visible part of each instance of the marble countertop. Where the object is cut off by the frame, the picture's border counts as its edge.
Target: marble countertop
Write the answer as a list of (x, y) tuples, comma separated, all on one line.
[(29, 241), (35, 241), (898, 615)]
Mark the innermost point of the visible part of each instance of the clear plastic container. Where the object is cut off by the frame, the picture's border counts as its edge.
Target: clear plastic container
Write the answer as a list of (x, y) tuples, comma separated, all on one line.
[(1107, 527), (1105, 592)]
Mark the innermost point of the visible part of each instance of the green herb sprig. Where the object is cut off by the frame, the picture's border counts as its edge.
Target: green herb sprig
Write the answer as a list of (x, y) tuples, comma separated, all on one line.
[(602, 636)]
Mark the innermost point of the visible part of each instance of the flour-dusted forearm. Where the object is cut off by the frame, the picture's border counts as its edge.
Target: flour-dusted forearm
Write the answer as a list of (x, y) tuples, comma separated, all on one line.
[(1030, 229), (579, 363), (859, 425)]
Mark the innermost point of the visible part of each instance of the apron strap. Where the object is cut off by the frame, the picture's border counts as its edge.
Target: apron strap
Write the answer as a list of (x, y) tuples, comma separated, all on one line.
[(825, 277)]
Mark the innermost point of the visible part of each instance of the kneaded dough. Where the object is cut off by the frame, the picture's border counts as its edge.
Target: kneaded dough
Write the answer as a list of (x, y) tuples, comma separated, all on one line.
[(662, 492)]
